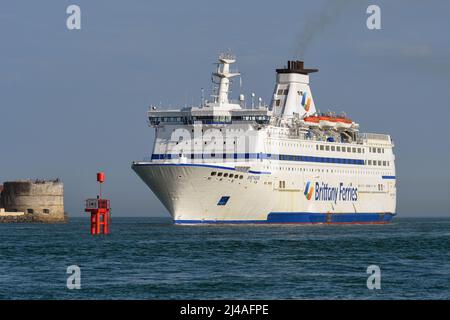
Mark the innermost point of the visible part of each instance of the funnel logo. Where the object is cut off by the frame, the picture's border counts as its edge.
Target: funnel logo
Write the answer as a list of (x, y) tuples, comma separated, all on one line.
[(308, 190), (306, 101)]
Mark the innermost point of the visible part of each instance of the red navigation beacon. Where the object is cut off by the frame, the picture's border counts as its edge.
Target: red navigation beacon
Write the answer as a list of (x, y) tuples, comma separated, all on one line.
[(100, 210)]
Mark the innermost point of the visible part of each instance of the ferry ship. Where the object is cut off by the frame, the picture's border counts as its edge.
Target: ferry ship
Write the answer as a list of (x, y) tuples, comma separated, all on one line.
[(224, 161)]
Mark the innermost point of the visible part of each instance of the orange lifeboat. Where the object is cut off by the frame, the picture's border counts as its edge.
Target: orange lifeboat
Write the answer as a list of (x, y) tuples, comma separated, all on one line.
[(328, 121), (343, 123), (312, 121)]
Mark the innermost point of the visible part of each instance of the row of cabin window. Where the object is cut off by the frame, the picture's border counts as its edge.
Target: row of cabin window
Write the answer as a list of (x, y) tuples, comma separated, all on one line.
[(339, 149), (359, 172), (377, 163), (287, 144), (227, 175), (282, 185), (376, 150)]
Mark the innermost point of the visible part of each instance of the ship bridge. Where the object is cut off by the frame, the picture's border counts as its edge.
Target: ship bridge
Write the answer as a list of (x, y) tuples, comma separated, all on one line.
[(208, 116), (220, 110)]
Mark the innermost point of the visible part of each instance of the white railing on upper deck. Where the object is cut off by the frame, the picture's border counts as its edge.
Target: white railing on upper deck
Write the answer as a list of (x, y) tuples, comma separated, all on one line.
[(374, 136)]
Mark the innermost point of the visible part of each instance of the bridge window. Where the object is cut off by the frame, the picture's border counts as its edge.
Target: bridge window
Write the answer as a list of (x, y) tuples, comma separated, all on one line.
[(213, 173)]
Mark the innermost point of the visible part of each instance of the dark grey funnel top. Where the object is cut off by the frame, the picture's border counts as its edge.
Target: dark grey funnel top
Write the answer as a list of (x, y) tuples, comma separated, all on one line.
[(296, 67)]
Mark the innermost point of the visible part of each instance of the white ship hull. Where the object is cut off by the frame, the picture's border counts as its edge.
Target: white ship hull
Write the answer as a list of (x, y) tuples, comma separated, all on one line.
[(191, 195)]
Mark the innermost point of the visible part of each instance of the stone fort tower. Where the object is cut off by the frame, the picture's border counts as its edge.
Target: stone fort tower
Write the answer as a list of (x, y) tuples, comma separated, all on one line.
[(39, 200)]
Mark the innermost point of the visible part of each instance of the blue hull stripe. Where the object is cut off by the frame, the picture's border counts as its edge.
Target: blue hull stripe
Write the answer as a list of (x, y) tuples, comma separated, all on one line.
[(269, 156), (304, 217), (389, 177)]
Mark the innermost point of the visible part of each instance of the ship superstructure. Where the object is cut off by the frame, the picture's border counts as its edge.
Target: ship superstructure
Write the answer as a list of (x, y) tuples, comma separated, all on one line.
[(224, 162)]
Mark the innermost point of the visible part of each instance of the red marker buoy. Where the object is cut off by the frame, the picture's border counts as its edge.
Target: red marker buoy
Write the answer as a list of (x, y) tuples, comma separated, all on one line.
[(100, 210)]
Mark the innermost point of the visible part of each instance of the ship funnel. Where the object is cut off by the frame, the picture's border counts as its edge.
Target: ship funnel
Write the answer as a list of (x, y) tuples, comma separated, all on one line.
[(292, 94)]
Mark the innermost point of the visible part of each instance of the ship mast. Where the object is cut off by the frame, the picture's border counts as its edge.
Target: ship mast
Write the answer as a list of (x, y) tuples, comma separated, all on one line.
[(224, 74)]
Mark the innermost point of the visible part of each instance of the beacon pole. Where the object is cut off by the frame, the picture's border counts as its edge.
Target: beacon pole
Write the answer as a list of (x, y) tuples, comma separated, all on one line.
[(99, 209)]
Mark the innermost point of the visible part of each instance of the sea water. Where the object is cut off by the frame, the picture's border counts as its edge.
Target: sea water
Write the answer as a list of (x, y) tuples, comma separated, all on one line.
[(150, 258)]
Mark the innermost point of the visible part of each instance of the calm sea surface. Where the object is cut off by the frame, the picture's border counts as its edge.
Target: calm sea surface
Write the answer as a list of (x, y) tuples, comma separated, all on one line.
[(149, 258)]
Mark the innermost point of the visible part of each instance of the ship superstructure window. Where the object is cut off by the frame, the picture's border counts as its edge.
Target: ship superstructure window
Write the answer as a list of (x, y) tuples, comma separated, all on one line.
[(277, 102), (46, 211), (219, 174), (225, 175), (280, 92), (158, 120), (213, 173)]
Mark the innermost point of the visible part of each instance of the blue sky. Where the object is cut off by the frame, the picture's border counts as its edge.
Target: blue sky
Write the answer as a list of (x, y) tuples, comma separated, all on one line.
[(74, 102)]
